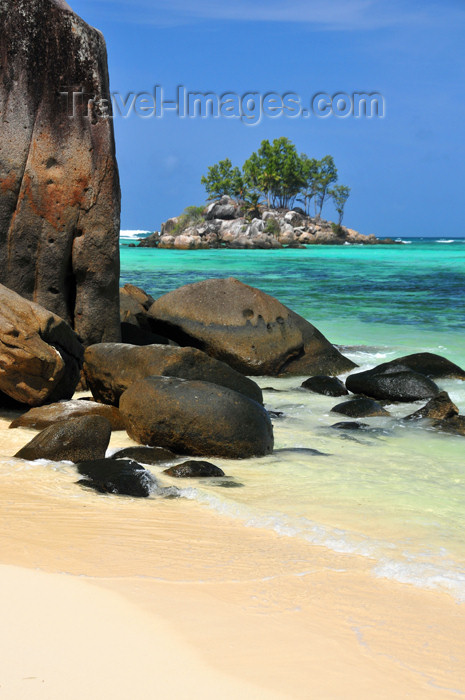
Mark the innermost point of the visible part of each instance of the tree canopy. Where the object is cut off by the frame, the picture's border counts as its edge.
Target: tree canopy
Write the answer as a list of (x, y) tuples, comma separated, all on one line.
[(279, 176)]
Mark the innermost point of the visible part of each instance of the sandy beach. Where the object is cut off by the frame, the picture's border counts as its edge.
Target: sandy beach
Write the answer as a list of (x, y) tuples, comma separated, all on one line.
[(110, 597)]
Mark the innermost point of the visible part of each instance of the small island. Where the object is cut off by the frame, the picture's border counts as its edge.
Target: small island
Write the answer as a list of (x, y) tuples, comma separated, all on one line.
[(275, 201)]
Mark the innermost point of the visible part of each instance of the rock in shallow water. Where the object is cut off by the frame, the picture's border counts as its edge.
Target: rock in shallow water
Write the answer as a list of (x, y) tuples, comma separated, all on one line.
[(360, 408), (146, 455), (439, 408), (111, 368), (327, 386), (197, 418), (394, 383), (76, 440), (40, 356), (194, 469), (431, 365), (118, 476)]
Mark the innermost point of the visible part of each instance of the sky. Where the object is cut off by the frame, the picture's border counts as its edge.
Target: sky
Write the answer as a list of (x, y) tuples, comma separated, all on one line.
[(406, 170)]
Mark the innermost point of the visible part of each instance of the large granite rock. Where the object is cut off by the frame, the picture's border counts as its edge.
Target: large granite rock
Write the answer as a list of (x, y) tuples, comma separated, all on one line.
[(111, 368), (76, 440), (196, 418), (40, 356), (59, 186), (251, 331)]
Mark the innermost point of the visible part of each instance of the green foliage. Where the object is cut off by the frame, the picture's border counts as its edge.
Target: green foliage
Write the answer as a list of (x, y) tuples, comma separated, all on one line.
[(327, 176), (191, 216), (223, 179), (340, 194), (272, 227), (277, 174), (337, 229)]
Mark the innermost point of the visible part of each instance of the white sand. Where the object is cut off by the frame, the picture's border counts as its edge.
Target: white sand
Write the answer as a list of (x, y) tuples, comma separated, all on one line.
[(165, 599)]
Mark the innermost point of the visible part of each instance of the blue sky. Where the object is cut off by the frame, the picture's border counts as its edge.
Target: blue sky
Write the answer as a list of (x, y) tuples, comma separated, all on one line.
[(406, 171)]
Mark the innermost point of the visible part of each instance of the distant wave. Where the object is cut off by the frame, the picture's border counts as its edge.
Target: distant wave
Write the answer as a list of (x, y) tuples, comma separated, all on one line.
[(132, 234), (401, 240), (444, 240)]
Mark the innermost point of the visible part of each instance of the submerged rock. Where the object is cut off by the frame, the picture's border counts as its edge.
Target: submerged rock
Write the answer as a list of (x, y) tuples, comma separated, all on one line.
[(111, 368), (42, 417), (146, 455), (59, 185), (349, 425), (439, 408), (395, 383), (327, 386), (117, 476), (194, 469), (40, 356), (454, 425), (76, 440), (360, 408), (197, 418), (246, 328)]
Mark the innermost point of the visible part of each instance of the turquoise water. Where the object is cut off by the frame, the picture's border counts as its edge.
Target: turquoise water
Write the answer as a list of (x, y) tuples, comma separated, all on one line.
[(395, 493)]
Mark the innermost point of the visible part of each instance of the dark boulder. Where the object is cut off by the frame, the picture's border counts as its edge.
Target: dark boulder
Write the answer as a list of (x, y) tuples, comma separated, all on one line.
[(244, 327), (117, 476), (360, 408), (431, 365), (76, 440), (394, 383), (439, 408), (327, 386), (349, 425), (146, 455), (196, 418), (42, 417), (40, 355), (59, 185), (111, 368), (193, 469)]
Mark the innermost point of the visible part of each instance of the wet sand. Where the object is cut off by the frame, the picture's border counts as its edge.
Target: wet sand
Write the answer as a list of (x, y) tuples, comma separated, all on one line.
[(124, 598)]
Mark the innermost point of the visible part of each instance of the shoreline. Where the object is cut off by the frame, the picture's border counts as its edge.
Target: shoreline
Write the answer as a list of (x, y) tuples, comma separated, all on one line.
[(238, 599)]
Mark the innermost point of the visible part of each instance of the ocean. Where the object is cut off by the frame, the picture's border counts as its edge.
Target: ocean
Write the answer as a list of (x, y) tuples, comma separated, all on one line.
[(393, 493)]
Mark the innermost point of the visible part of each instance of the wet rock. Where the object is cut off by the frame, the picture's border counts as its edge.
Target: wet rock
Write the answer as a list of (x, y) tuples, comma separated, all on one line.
[(59, 185), (327, 386), (122, 476), (146, 455), (40, 356), (431, 365), (439, 408), (360, 408), (111, 368), (42, 417), (394, 383), (76, 440), (454, 425), (196, 418), (194, 469), (349, 425), (244, 327)]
